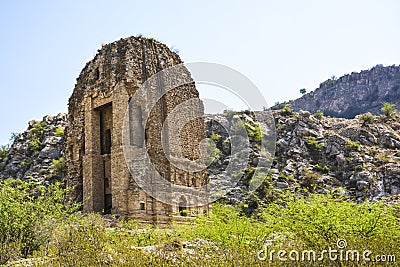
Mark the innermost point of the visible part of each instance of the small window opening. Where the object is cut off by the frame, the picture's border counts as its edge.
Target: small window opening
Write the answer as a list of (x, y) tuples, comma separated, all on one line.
[(97, 74)]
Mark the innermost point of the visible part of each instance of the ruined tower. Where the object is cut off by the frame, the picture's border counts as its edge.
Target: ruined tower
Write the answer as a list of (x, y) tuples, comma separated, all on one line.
[(97, 169)]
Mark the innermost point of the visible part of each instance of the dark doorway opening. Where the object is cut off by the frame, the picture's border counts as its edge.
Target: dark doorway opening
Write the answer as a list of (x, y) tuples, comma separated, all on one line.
[(106, 125), (182, 206)]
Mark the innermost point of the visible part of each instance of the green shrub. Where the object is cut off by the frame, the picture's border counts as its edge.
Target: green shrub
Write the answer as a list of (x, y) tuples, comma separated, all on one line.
[(286, 111), (322, 169), (38, 128), (388, 109), (35, 135), (3, 152), (26, 163), (59, 131), (80, 243), (253, 131), (310, 180), (314, 144), (278, 106), (58, 166), (353, 146), (213, 152), (266, 190), (227, 237), (366, 118), (318, 221), (28, 213), (35, 144), (318, 115), (215, 137)]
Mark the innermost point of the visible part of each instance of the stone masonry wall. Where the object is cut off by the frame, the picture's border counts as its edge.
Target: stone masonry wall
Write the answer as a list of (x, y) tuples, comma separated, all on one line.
[(110, 80)]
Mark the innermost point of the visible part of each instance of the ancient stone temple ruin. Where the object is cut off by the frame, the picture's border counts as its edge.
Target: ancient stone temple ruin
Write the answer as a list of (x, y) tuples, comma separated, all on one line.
[(97, 169)]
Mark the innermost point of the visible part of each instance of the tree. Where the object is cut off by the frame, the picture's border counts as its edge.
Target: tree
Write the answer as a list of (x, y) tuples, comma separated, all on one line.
[(303, 91), (388, 109)]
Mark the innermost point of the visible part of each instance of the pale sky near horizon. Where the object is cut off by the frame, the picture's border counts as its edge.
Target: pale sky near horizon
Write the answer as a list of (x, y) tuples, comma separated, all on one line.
[(282, 46)]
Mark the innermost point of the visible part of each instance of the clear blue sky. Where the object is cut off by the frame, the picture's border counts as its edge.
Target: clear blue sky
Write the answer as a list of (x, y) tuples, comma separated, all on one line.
[(282, 46)]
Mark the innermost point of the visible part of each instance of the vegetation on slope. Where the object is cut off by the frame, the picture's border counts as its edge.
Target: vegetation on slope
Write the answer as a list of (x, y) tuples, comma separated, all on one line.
[(37, 225)]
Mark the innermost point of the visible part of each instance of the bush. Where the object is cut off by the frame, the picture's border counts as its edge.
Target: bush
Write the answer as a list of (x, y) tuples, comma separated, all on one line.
[(227, 237), (286, 111), (3, 152), (38, 128), (213, 153), (318, 115), (354, 146), (366, 118), (278, 106), (215, 137), (35, 144), (58, 167), (314, 144), (318, 221), (322, 169), (35, 135), (253, 131), (310, 180), (80, 243), (59, 131), (389, 110), (28, 213)]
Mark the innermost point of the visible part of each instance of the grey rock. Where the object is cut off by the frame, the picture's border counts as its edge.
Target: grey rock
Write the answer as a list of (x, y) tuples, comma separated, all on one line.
[(354, 93)]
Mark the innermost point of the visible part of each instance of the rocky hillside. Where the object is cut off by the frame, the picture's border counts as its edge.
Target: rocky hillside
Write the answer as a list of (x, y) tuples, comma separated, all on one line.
[(359, 157), (36, 154), (354, 93), (356, 157), (320, 153)]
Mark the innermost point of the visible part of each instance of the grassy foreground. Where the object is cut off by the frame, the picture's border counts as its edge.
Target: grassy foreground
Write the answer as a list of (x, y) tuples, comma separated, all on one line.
[(39, 229)]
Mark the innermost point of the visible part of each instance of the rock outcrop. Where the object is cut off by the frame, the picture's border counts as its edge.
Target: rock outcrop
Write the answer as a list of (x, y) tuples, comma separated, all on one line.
[(37, 154), (333, 152), (325, 154), (354, 93)]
